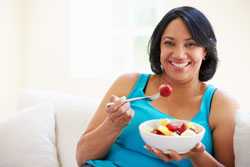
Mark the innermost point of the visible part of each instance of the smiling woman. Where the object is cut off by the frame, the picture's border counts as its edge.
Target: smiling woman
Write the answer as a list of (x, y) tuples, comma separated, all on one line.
[(183, 54)]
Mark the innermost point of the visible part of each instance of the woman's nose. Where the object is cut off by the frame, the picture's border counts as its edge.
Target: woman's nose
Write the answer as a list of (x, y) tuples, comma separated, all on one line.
[(179, 52)]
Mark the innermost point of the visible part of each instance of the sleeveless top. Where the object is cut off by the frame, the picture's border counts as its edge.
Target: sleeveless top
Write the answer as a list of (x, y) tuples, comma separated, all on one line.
[(128, 149)]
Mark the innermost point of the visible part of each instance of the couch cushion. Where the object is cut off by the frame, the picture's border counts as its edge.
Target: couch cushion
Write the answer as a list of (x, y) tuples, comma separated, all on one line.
[(28, 138), (72, 115), (72, 119), (241, 139)]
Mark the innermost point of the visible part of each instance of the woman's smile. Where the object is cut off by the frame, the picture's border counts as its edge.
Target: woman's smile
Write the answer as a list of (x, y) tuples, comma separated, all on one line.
[(179, 66)]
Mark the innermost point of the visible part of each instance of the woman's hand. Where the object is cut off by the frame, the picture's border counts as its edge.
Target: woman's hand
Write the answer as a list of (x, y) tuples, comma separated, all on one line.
[(119, 112), (173, 155)]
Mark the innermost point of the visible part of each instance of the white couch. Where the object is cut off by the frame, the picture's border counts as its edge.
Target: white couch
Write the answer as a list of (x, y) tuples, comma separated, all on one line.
[(45, 132)]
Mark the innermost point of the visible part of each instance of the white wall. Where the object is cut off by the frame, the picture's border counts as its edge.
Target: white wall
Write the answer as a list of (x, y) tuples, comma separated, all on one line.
[(47, 65), (41, 60), (11, 27), (48, 59)]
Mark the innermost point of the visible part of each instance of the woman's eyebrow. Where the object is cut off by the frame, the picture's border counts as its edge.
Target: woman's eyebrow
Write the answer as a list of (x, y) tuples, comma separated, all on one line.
[(172, 38), (167, 37), (189, 39)]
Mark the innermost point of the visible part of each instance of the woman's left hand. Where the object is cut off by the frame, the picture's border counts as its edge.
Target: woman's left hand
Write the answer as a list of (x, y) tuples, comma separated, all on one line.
[(173, 155)]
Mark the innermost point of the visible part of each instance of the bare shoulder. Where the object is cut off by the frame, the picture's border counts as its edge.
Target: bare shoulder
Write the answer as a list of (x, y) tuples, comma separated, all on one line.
[(222, 121), (223, 108), (121, 87)]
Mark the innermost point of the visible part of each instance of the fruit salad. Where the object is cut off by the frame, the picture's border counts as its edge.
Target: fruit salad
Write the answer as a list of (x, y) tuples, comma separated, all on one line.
[(176, 128)]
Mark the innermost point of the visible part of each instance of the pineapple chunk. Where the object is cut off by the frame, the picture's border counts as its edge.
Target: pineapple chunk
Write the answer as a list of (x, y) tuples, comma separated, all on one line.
[(164, 122), (193, 127), (188, 132), (148, 129), (164, 130), (190, 125)]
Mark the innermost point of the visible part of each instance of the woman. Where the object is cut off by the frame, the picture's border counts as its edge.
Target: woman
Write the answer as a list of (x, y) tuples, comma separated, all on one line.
[(183, 54)]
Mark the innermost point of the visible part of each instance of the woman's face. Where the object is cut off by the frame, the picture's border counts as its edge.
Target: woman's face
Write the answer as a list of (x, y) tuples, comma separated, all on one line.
[(180, 56)]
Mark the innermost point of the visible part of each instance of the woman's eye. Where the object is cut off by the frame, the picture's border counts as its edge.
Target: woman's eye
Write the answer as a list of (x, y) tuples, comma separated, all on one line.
[(168, 43), (190, 45)]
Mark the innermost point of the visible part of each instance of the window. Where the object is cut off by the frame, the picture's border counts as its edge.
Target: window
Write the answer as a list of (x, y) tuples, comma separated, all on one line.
[(108, 38)]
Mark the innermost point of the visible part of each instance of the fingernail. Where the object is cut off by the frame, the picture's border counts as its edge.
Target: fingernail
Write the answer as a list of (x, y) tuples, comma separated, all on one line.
[(167, 152), (109, 104)]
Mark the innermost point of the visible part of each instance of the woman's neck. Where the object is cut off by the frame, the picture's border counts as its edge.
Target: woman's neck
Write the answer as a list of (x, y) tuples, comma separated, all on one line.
[(184, 90)]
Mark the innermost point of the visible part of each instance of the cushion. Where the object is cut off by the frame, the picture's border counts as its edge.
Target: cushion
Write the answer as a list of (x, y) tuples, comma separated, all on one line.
[(241, 139), (71, 122), (28, 138), (72, 115)]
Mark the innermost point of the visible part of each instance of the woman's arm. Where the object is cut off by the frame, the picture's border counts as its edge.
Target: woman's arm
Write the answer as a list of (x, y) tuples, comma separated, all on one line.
[(106, 125), (222, 119), (204, 159), (96, 143)]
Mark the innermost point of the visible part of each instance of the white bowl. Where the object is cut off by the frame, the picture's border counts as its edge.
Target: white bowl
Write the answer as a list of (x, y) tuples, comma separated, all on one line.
[(180, 144)]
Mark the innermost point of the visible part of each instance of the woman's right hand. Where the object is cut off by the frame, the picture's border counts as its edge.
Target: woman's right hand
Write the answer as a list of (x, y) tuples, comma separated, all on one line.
[(173, 155), (119, 112)]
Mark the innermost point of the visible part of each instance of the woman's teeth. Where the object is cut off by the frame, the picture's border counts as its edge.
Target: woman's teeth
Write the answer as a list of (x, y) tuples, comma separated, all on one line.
[(180, 65)]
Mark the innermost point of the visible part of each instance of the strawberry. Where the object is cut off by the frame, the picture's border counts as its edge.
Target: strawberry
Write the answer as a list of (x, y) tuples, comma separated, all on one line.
[(172, 127), (181, 129), (156, 131), (165, 90)]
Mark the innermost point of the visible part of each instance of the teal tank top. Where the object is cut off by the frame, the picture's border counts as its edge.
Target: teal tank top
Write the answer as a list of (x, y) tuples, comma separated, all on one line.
[(128, 150)]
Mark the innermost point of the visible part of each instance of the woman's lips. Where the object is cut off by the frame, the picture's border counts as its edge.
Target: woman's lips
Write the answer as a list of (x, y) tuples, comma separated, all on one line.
[(179, 66)]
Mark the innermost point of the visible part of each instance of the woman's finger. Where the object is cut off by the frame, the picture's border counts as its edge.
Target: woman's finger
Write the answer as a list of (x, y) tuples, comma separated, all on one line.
[(159, 153), (117, 102), (119, 113), (123, 120), (198, 148), (109, 107), (114, 104), (174, 155), (113, 98)]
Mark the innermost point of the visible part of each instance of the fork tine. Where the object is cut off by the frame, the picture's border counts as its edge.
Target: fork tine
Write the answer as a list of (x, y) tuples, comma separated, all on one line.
[(154, 97)]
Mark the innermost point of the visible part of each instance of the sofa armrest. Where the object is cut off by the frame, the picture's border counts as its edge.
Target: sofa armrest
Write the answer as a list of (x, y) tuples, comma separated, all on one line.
[(241, 139)]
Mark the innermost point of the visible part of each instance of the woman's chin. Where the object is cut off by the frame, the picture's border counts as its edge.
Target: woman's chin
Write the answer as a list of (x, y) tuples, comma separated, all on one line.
[(181, 79)]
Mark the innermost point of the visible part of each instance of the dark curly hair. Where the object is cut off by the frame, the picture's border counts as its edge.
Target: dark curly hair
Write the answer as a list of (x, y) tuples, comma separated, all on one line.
[(201, 32)]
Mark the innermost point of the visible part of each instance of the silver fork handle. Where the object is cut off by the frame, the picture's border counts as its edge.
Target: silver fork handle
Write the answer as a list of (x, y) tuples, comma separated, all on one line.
[(138, 98)]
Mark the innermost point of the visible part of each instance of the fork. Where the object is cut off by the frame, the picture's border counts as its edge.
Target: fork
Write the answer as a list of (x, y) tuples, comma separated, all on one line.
[(149, 98)]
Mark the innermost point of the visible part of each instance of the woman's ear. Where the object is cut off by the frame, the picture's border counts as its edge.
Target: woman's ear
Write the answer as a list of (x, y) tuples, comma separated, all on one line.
[(204, 54), (204, 57)]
